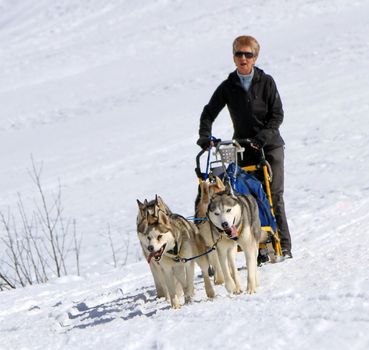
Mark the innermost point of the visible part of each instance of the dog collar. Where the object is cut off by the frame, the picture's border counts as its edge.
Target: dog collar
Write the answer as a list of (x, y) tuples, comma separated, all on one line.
[(173, 251), (174, 254)]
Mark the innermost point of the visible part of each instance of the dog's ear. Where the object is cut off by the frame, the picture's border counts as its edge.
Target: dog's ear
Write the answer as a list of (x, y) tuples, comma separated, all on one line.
[(219, 184), (141, 221), (229, 190), (178, 236), (159, 202), (141, 225), (156, 207), (163, 219), (146, 202), (205, 193), (161, 205), (141, 206)]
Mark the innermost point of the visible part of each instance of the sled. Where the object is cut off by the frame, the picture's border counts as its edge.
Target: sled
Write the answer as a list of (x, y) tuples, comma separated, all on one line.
[(223, 163)]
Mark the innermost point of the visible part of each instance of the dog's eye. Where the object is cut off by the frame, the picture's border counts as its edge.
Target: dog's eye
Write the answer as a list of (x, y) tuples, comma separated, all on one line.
[(160, 237), (229, 210), (215, 213)]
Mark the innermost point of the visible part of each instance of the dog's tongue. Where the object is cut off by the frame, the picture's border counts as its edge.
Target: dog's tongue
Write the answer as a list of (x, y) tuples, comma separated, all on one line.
[(151, 255), (234, 232)]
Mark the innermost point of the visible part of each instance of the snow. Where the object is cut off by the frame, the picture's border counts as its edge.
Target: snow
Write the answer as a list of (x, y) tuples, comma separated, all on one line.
[(107, 95)]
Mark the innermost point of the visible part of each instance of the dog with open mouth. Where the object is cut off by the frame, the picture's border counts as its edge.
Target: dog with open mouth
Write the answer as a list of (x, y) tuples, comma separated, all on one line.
[(168, 242), (148, 215), (234, 219)]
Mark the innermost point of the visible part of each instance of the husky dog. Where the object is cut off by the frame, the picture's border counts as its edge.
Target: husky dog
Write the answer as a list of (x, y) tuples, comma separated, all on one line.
[(206, 190), (167, 242), (148, 215), (236, 219)]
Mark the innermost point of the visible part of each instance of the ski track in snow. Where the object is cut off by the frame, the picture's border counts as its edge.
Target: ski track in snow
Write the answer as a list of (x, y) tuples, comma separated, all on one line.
[(107, 94), (100, 310)]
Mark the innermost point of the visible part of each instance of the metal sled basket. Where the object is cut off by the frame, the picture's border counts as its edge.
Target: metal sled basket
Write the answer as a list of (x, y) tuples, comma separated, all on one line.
[(225, 153)]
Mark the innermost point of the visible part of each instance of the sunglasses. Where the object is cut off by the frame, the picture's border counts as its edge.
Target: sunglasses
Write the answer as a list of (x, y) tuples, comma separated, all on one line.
[(247, 54)]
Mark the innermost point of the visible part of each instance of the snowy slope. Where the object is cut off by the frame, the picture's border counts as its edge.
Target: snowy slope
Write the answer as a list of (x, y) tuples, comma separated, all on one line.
[(107, 94)]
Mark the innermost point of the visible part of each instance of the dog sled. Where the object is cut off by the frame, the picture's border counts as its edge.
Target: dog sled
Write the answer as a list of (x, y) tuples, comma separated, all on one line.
[(222, 163)]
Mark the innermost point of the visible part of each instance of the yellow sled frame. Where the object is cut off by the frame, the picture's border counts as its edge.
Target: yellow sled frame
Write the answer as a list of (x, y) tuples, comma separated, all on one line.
[(277, 242), (273, 249)]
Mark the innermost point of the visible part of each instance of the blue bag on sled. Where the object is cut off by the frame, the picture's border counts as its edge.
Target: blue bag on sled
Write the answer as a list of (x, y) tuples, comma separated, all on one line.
[(244, 183)]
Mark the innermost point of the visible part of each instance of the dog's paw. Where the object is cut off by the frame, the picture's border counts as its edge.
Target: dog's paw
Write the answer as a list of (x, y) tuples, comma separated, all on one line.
[(175, 303), (210, 293), (218, 277), (188, 299), (231, 287), (251, 290), (176, 306), (162, 295)]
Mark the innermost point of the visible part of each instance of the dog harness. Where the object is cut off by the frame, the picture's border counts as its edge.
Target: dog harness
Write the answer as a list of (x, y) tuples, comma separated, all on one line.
[(177, 258)]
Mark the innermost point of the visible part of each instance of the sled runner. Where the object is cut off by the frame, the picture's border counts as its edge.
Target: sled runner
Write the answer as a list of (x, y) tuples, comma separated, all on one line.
[(223, 163)]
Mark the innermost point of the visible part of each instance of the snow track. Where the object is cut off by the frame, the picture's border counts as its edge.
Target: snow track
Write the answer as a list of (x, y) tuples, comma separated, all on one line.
[(106, 308)]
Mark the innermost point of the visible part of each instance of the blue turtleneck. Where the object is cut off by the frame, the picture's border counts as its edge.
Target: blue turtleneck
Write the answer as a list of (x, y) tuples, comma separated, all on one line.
[(246, 79)]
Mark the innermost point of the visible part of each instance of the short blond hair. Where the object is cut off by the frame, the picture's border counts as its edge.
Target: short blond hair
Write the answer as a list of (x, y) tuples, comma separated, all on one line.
[(246, 40)]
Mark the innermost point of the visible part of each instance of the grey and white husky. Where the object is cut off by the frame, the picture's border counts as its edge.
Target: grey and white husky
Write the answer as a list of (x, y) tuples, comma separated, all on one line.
[(148, 212), (235, 221), (168, 240)]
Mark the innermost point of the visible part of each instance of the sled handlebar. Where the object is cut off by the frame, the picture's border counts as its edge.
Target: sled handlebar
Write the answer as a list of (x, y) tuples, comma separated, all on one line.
[(218, 144), (249, 142), (198, 166), (227, 143)]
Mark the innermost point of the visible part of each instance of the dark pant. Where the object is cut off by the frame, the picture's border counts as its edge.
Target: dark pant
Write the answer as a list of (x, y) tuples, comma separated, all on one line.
[(275, 158)]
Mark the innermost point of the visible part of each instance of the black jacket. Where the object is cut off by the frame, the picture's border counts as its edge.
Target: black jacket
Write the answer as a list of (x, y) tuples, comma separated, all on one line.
[(256, 113)]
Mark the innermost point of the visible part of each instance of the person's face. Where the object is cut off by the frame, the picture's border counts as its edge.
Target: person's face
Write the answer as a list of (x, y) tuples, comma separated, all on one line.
[(244, 59)]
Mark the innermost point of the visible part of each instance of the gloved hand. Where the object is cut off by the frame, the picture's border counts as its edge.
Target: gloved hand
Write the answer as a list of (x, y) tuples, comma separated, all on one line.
[(204, 142), (255, 143)]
